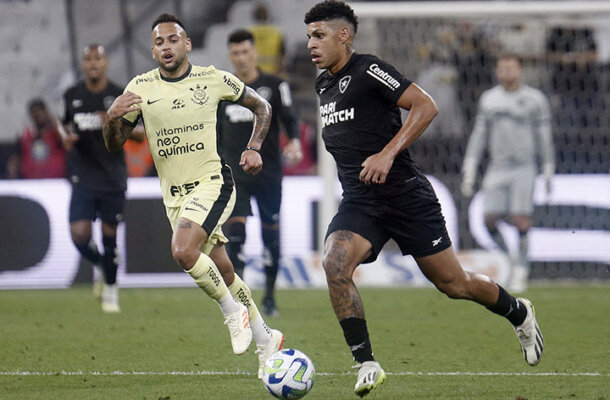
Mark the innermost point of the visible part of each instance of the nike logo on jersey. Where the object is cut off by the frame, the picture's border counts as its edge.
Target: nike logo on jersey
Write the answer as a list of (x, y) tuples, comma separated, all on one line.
[(436, 242), (152, 102)]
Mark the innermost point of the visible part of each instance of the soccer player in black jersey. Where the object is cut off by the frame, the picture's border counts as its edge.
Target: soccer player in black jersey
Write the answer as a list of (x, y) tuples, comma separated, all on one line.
[(98, 178), (384, 194), (234, 129)]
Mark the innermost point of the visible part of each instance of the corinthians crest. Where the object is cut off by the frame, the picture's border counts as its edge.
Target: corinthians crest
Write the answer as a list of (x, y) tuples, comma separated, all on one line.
[(199, 95)]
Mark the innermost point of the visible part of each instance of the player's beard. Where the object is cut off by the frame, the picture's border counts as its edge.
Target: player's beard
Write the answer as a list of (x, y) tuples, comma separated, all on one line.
[(173, 66)]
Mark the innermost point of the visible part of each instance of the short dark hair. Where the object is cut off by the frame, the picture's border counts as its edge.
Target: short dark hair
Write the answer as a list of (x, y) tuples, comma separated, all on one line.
[(240, 35), (506, 55), (332, 9), (36, 102), (167, 18)]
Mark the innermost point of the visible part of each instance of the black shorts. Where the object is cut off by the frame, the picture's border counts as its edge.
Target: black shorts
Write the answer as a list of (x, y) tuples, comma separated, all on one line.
[(89, 205), (413, 220), (268, 195)]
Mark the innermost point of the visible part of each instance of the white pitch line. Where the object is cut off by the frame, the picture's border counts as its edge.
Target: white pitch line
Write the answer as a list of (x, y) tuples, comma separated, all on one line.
[(245, 373)]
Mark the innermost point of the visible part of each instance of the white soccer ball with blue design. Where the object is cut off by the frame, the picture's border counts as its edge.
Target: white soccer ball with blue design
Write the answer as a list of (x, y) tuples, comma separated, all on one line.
[(289, 374)]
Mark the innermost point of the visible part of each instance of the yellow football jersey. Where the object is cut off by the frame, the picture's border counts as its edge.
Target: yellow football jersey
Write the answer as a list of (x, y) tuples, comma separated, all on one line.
[(180, 120)]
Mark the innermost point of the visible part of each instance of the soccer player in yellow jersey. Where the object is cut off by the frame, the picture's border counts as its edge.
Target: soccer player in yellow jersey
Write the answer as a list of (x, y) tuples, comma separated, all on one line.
[(178, 103)]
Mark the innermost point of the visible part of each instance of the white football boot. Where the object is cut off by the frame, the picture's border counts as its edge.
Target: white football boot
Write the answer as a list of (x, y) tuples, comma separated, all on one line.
[(110, 299), (239, 328), (265, 351), (370, 376), (529, 335)]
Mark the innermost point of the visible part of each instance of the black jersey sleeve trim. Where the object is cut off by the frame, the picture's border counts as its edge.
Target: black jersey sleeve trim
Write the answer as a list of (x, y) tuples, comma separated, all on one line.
[(128, 122), (243, 94)]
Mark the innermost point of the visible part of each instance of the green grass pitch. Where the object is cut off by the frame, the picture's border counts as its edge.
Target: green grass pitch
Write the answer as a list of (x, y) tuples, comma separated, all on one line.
[(170, 344)]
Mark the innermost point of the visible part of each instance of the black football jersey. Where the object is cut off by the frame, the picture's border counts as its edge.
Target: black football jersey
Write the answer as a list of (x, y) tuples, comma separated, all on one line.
[(90, 165), (234, 127), (359, 118)]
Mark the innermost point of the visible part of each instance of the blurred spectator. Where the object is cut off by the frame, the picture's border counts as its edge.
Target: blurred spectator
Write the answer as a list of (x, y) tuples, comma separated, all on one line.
[(513, 125), (269, 41), (39, 151), (575, 75), (473, 59), (439, 80), (138, 158)]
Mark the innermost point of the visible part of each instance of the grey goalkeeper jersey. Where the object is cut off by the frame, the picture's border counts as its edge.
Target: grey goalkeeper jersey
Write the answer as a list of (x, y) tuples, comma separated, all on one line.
[(515, 127)]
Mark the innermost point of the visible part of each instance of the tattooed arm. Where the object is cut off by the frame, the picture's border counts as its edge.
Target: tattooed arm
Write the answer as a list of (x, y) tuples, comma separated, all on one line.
[(116, 132), (251, 161)]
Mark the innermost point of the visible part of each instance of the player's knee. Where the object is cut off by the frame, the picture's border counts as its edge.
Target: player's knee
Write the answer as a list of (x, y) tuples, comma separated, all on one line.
[(453, 287), (523, 223), (491, 222), (184, 256), (237, 233)]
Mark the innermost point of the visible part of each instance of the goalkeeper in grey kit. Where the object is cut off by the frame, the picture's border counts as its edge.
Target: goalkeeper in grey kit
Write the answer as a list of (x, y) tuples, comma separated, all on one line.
[(513, 124)]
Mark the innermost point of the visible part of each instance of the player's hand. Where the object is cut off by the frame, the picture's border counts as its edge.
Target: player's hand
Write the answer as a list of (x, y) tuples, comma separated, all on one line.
[(123, 104), (68, 140), (292, 152), (251, 162), (376, 168)]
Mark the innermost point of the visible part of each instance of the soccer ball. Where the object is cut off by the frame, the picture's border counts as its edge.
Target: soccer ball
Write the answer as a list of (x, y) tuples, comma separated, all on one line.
[(289, 374)]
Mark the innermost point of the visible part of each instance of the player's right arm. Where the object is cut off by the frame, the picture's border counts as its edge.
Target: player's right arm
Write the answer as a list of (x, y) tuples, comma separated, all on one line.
[(115, 131), (474, 150)]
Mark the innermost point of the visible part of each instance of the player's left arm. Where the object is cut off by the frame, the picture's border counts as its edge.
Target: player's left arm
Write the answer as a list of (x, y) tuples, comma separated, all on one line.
[(547, 150), (251, 161), (422, 110)]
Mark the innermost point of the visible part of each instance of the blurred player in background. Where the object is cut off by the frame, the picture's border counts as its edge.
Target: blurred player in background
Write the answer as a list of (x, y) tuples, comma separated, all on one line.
[(269, 41), (384, 194), (234, 129), (513, 124), (98, 178), (178, 103)]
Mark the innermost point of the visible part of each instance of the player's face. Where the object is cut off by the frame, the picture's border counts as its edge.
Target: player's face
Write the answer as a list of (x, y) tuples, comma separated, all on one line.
[(508, 71), (39, 115), (170, 47), (326, 45), (95, 63), (243, 57)]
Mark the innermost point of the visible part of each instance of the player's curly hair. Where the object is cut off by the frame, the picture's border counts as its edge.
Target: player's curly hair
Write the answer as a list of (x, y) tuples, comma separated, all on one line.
[(332, 9), (167, 18)]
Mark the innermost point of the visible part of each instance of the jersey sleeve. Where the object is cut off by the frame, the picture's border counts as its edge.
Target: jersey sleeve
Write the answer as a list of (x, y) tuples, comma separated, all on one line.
[(131, 118), (230, 87), (385, 79), (478, 138), (67, 116), (286, 112)]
